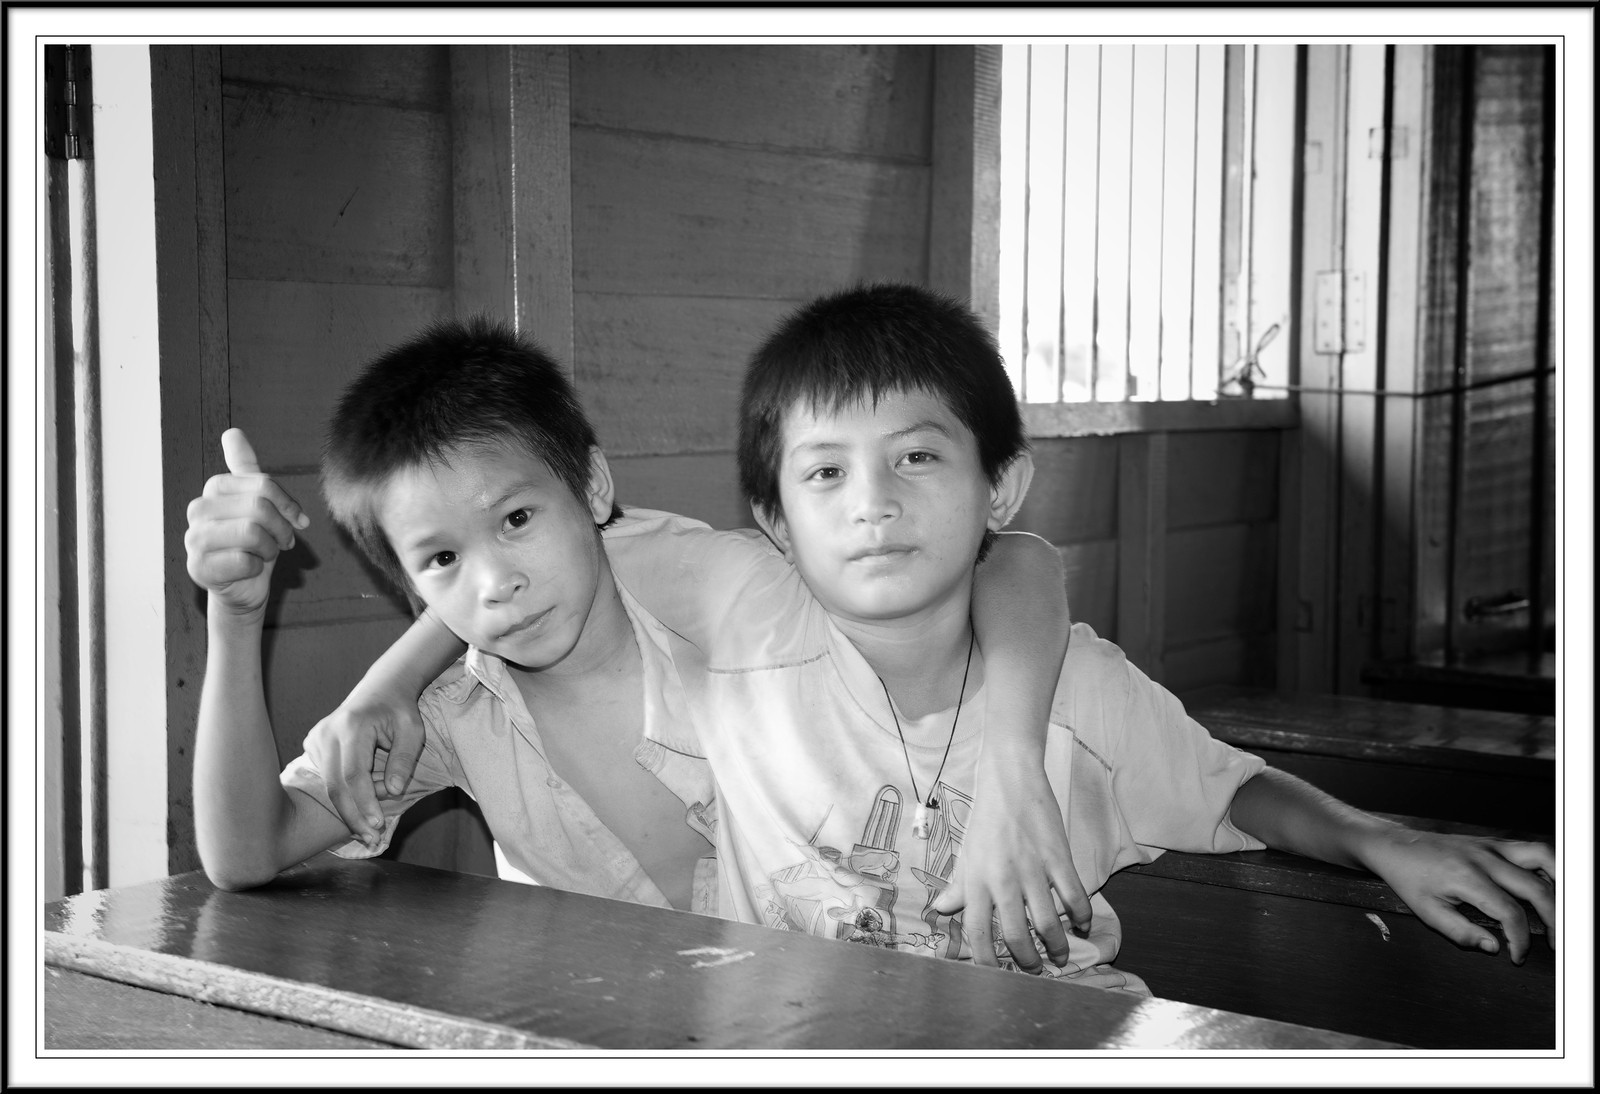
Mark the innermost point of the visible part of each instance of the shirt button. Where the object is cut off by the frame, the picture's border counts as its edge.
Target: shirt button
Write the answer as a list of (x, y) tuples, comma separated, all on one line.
[(553, 783)]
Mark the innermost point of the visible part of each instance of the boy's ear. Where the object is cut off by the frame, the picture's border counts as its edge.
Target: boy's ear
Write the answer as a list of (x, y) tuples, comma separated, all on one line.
[(773, 524), (1006, 496), (602, 493)]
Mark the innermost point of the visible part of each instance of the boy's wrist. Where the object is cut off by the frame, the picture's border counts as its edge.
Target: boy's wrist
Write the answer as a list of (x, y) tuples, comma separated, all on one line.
[(221, 613)]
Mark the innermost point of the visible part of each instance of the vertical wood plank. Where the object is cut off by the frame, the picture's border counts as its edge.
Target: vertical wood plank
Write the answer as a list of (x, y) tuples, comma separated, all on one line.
[(192, 297), (1360, 416), (63, 805), (964, 214), (512, 160), (1405, 297), (1142, 549), (1311, 496)]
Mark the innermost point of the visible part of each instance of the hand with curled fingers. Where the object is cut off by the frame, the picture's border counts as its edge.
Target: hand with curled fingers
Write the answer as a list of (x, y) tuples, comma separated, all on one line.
[(1435, 873), (1016, 866), (366, 752), (237, 529)]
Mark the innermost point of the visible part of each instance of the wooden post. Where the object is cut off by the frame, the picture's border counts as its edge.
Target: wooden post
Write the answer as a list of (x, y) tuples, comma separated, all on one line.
[(512, 169), (192, 298), (1142, 550), (964, 204)]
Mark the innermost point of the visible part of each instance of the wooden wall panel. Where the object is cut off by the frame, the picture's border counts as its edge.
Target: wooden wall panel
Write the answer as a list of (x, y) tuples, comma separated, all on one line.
[(1220, 478), (295, 345), (324, 578), (869, 100), (407, 76), (332, 190), (1245, 659), (1073, 498), (703, 485), (1220, 581), (662, 373), (310, 669), (1092, 584), (652, 216)]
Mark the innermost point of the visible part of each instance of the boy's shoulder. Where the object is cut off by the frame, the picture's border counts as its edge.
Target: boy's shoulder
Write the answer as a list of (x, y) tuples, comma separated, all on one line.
[(1094, 683), (727, 592)]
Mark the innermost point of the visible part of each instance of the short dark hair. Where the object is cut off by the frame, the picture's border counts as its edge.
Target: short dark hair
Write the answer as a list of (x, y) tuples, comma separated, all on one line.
[(858, 345), (468, 382)]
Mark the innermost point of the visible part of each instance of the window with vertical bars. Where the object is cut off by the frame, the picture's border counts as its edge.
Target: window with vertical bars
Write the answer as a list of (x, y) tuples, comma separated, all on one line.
[(1146, 220)]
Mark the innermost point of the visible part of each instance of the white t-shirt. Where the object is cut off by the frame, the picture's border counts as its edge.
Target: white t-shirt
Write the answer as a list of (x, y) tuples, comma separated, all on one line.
[(815, 802)]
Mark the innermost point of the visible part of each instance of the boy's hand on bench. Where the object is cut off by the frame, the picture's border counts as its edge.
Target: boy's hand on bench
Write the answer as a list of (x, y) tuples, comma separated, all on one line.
[(237, 528), (1010, 861), (366, 750), (1434, 872)]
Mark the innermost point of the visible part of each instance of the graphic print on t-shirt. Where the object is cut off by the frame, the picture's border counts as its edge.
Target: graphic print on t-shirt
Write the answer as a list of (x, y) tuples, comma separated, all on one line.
[(854, 896)]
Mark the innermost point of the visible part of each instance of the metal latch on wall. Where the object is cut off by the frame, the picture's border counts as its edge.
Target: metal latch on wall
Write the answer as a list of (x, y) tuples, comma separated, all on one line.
[(67, 98), (1339, 324)]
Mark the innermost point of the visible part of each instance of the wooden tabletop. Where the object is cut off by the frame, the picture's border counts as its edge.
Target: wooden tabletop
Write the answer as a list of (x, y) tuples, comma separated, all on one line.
[(424, 958), (1471, 740)]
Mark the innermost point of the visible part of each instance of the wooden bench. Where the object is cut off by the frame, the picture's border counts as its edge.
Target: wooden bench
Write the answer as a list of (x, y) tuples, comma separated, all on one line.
[(1476, 766), (406, 956), (1290, 938)]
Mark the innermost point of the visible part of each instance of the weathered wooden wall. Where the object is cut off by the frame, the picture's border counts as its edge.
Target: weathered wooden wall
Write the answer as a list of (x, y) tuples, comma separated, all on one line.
[(713, 188)]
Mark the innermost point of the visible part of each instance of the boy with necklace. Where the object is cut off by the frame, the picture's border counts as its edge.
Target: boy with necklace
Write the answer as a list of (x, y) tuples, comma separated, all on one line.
[(466, 471)]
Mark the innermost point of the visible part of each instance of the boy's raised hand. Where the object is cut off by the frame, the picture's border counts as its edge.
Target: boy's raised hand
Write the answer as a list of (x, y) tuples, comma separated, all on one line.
[(237, 528), (1435, 872)]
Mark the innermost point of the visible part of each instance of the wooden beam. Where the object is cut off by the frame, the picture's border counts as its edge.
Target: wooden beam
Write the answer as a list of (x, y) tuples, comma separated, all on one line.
[(1309, 595), (964, 205), (512, 168), (1142, 550), (192, 299)]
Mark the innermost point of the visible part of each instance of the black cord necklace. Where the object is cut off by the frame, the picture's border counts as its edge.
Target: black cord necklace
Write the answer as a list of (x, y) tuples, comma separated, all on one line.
[(922, 819)]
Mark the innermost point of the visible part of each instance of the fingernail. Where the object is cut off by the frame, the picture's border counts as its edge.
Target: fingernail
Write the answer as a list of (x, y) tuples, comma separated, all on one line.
[(1489, 945), (396, 785), (302, 521)]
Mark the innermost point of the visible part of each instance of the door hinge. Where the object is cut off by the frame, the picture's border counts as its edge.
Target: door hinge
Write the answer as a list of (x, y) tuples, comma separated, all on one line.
[(67, 98), (1339, 323)]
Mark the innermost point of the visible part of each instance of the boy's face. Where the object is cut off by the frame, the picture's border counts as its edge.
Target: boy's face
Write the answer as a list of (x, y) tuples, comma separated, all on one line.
[(884, 508), (500, 549)]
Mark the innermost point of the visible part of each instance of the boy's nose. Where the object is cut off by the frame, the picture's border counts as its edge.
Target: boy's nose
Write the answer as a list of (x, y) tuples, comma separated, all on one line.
[(875, 499), (501, 583)]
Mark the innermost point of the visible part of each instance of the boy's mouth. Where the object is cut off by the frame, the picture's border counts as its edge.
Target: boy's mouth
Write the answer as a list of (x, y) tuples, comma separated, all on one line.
[(883, 552), (527, 624)]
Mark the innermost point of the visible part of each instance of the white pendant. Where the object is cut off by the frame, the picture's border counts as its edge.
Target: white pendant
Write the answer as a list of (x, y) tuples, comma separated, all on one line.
[(922, 820)]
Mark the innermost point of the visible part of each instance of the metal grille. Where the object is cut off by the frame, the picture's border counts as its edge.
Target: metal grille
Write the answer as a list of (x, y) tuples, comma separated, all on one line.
[(1130, 224)]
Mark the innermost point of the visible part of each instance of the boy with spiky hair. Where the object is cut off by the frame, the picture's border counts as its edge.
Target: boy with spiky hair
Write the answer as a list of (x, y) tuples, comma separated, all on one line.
[(836, 685), (466, 471)]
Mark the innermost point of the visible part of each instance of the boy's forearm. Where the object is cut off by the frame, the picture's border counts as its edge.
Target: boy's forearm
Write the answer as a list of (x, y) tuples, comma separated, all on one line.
[(1289, 814), (417, 657), (244, 820), (1023, 624)]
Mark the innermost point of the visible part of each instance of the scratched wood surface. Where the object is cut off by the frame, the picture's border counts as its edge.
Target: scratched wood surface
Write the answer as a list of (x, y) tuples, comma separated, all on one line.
[(83, 1012), (381, 948), (1313, 957), (1482, 767)]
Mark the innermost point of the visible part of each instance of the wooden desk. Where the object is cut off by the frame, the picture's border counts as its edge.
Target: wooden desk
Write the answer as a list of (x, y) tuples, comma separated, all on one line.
[(1290, 938), (407, 956), (1478, 766)]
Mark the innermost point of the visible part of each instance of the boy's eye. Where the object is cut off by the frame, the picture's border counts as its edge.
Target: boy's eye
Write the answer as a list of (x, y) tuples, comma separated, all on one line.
[(920, 457), (520, 517), (443, 559), (826, 474)]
